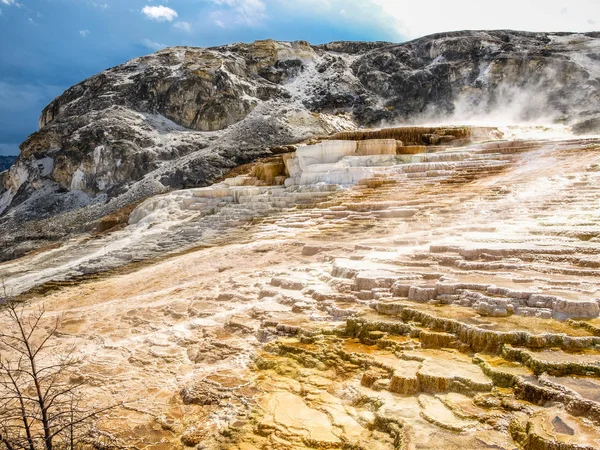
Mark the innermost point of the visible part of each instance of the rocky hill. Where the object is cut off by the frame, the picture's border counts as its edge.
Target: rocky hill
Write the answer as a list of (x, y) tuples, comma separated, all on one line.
[(184, 116), (358, 285)]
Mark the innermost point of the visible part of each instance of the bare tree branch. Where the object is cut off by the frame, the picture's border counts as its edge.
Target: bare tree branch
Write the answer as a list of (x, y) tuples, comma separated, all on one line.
[(39, 405)]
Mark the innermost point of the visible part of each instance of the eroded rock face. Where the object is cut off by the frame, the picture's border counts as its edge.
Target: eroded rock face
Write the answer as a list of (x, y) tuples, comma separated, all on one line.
[(183, 116), (486, 71)]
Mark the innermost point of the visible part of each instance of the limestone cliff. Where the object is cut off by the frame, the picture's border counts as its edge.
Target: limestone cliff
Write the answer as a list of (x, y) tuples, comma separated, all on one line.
[(183, 116)]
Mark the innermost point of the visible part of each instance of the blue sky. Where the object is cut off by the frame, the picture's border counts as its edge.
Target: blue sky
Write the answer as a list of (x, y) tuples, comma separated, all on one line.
[(48, 45)]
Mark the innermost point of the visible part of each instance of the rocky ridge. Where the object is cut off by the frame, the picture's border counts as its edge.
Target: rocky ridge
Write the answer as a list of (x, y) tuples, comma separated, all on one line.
[(184, 116)]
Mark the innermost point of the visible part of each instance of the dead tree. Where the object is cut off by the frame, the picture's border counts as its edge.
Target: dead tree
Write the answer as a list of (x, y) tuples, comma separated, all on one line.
[(40, 406)]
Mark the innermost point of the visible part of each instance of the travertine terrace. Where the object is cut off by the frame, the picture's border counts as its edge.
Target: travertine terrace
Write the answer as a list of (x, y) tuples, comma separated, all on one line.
[(423, 288), (184, 116)]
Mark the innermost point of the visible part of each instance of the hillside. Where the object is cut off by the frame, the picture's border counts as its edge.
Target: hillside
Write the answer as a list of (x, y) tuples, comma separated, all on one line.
[(282, 246), (183, 117)]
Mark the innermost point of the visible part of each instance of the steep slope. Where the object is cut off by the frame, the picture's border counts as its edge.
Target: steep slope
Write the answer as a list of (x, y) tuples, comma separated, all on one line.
[(184, 116)]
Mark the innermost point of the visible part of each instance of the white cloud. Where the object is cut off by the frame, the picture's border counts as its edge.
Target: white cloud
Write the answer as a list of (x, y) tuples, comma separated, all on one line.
[(11, 3), (84, 33), (152, 45), (183, 26), (99, 5), (218, 18), (402, 19), (159, 13), (406, 19), (239, 12), (359, 15), (415, 19)]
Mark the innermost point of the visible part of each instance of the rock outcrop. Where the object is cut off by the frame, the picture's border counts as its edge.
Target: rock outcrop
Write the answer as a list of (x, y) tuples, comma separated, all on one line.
[(184, 116)]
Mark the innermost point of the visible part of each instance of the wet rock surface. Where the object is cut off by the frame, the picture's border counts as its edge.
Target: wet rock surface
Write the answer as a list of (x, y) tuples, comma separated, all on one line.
[(442, 299)]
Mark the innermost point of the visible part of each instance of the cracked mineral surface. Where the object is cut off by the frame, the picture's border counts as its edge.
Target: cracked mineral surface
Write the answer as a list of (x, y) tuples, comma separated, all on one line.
[(362, 292)]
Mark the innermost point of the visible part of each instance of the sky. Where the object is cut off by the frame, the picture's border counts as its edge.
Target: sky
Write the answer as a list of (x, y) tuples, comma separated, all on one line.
[(47, 46)]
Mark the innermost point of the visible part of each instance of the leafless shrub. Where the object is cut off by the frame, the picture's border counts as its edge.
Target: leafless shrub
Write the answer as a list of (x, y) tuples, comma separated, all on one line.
[(41, 406)]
